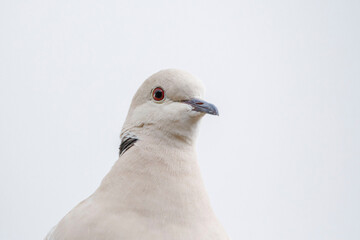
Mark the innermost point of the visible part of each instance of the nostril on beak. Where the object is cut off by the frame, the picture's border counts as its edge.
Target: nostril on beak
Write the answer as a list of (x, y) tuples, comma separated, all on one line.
[(199, 103)]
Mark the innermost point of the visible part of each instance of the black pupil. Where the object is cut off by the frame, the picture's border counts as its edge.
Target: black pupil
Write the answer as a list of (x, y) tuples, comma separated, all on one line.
[(158, 94)]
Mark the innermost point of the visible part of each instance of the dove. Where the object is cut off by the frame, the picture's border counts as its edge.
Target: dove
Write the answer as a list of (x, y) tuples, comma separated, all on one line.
[(155, 189)]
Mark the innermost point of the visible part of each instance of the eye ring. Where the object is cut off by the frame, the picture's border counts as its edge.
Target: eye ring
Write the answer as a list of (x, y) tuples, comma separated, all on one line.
[(158, 94)]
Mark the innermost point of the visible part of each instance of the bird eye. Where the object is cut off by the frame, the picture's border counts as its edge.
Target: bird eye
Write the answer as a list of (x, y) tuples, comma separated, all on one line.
[(158, 94)]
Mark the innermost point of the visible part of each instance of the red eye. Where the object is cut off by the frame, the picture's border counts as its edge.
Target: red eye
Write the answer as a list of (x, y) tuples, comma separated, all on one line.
[(158, 94)]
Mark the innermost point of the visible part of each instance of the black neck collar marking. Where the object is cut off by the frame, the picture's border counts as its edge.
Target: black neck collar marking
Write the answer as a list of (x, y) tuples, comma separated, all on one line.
[(126, 143)]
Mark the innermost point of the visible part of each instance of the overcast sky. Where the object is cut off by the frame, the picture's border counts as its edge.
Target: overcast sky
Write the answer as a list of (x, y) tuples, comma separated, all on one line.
[(281, 162)]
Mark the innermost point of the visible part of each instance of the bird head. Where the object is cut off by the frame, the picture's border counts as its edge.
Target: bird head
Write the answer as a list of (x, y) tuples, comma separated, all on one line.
[(168, 103)]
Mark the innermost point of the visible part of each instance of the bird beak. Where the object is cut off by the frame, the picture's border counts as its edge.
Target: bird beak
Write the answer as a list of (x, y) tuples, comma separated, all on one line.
[(199, 105)]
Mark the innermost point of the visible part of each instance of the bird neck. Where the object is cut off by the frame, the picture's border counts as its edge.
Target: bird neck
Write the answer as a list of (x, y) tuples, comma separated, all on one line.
[(175, 133), (157, 179)]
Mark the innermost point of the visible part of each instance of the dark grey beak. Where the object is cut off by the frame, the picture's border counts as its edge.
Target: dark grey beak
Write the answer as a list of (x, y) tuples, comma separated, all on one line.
[(202, 106)]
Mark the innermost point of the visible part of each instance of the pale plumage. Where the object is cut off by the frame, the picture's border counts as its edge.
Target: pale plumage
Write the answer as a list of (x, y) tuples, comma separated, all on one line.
[(155, 190)]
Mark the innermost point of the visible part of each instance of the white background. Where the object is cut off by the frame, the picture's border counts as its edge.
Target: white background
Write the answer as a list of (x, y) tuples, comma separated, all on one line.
[(281, 162)]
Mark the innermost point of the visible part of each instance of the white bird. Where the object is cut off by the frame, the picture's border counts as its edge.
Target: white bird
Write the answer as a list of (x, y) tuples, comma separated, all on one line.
[(155, 189)]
